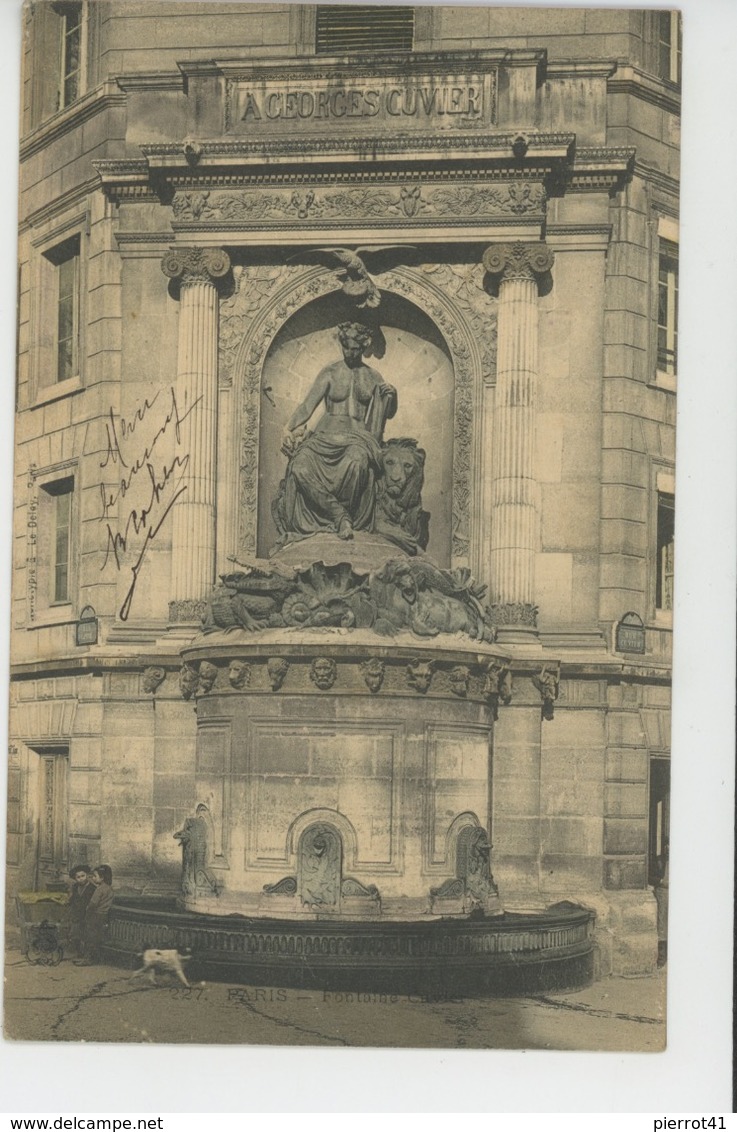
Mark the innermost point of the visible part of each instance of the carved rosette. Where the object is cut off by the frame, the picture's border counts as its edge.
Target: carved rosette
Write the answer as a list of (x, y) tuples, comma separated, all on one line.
[(518, 260), (187, 266)]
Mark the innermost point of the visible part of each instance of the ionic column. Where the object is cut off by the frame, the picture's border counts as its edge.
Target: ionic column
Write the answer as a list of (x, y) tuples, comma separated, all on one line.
[(514, 503), (198, 273)]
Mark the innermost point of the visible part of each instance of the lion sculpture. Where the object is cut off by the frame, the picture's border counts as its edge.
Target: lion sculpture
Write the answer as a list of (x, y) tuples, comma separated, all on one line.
[(399, 515)]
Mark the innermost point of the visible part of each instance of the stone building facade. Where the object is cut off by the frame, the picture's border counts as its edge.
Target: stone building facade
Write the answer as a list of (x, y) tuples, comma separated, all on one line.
[(182, 166)]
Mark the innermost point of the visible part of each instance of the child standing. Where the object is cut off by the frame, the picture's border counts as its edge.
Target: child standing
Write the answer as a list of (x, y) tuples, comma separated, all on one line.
[(97, 915)]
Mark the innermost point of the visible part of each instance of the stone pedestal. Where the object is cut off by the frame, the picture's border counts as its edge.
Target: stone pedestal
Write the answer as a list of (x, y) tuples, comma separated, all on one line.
[(337, 778), (514, 513), (196, 272)]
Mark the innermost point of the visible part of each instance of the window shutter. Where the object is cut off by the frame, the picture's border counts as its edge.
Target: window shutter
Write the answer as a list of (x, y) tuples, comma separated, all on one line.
[(343, 29)]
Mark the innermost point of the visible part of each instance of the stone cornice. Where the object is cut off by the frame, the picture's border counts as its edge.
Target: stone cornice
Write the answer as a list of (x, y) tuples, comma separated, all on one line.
[(600, 168), (580, 69), (152, 80), (335, 66), (331, 149), (59, 205), (661, 181), (648, 88), (104, 97), (550, 159)]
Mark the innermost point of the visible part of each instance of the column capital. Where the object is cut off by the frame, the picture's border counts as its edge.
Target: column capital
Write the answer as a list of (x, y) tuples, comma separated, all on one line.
[(518, 260), (196, 265)]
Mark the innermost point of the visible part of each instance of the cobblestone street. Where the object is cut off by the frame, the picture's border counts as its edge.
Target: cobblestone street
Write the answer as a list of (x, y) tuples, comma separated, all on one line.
[(103, 1004)]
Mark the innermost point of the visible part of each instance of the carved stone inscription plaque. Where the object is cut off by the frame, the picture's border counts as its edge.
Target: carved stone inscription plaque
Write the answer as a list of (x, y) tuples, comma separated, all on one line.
[(359, 102)]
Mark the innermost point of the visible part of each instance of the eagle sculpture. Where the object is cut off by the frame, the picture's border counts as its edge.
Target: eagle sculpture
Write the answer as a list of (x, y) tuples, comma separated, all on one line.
[(353, 273)]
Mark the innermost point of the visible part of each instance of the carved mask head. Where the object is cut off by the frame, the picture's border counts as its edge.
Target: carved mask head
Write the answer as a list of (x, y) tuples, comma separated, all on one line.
[(459, 680), (277, 668), (239, 673), (419, 675), (373, 673), (323, 672), (208, 676), (188, 680), (153, 677)]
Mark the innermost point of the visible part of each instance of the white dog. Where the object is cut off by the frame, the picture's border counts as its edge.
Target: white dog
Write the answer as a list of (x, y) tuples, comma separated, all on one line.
[(165, 961)]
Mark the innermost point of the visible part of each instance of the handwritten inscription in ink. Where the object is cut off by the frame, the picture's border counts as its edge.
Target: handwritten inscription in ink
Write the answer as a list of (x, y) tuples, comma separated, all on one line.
[(139, 451)]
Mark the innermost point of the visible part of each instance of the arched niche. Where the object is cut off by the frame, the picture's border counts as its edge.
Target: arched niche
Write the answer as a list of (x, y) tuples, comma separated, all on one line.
[(416, 361)]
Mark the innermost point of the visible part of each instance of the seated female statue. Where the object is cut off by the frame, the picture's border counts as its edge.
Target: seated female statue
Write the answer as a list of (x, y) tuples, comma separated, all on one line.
[(330, 482)]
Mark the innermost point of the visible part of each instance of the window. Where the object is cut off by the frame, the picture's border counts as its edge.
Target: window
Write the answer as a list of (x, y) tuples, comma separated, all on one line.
[(66, 260), (57, 36), (52, 547), (667, 307), (343, 29), (669, 41), (57, 511), (664, 551), (70, 86)]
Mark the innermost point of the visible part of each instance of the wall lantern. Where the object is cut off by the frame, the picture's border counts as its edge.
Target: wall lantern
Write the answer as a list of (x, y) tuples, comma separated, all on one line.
[(87, 627)]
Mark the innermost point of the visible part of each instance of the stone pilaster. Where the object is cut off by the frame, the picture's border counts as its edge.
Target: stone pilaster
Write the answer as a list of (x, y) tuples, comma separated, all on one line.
[(198, 272), (519, 268)]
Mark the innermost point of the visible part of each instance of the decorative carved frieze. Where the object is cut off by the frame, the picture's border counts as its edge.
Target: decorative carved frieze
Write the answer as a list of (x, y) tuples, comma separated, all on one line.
[(413, 201)]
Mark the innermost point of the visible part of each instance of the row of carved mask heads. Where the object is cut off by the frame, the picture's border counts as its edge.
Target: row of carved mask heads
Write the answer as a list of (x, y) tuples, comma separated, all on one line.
[(323, 673)]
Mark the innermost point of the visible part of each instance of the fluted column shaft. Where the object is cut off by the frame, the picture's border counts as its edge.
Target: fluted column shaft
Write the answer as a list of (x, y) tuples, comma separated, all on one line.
[(514, 504), (198, 273)]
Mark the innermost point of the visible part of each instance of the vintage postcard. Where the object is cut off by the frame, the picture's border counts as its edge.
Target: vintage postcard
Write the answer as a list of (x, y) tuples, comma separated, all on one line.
[(343, 535)]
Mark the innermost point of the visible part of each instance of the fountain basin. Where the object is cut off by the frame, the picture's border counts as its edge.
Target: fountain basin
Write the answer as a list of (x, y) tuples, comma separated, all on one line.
[(516, 953)]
